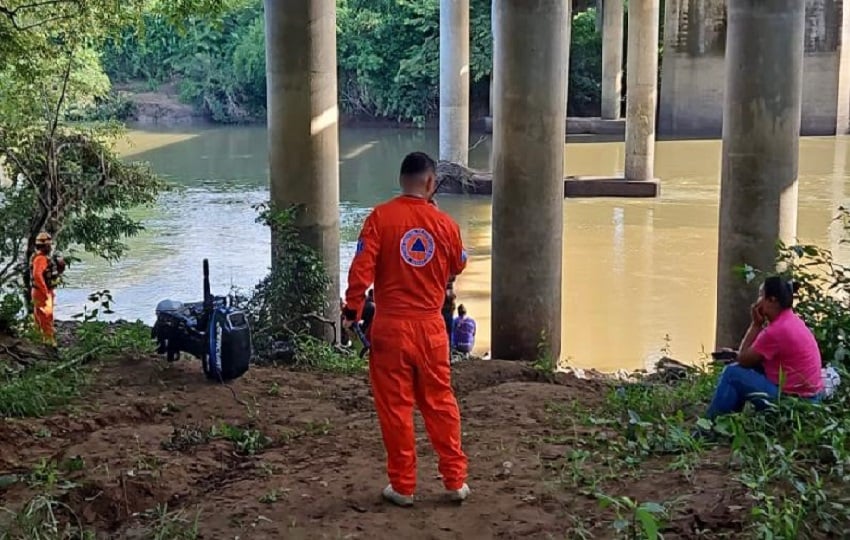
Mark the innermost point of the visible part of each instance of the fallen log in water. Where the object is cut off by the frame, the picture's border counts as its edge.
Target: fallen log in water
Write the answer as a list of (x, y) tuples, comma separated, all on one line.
[(455, 178), (458, 179)]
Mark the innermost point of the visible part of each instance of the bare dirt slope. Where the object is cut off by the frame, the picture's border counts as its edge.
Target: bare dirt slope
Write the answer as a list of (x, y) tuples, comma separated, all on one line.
[(147, 436)]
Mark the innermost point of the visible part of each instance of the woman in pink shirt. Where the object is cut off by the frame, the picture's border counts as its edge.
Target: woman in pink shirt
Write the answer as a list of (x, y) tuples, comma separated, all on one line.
[(782, 352)]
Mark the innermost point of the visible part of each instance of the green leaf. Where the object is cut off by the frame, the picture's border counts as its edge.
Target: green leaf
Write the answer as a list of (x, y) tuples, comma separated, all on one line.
[(648, 522)]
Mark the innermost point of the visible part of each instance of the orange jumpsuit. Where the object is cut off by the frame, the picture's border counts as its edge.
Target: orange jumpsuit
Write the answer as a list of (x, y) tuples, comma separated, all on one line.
[(408, 249), (43, 297)]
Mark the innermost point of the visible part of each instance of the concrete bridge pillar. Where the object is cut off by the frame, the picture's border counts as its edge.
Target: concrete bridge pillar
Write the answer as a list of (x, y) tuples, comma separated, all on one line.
[(612, 58), (303, 124), (599, 15), (531, 59), (761, 127), (454, 80), (642, 89)]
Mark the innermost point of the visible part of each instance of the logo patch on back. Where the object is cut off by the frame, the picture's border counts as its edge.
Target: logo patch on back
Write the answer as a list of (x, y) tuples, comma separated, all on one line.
[(417, 247)]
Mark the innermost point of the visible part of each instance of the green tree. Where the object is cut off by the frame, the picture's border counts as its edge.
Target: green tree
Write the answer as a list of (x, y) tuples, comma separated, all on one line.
[(56, 176), (389, 56), (585, 91), (388, 59)]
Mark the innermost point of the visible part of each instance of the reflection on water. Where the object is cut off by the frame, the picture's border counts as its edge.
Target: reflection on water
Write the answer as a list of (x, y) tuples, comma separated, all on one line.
[(635, 271)]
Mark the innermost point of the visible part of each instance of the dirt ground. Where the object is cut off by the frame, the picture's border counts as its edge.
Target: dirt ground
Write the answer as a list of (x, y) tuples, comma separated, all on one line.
[(160, 106), (142, 433)]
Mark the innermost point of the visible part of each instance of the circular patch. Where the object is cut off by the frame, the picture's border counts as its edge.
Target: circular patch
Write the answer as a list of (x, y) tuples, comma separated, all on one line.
[(417, 247)]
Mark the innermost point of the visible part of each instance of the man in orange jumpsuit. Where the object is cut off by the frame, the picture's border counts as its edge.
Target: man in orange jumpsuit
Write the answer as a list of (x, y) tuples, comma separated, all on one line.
[(408, 249), (43, 276)]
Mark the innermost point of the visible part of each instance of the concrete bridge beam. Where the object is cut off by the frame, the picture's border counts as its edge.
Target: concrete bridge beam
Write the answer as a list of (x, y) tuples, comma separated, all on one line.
[(761, 129), (612, 58), (531, 64), (642, 93), (454, 80), (303, 124)]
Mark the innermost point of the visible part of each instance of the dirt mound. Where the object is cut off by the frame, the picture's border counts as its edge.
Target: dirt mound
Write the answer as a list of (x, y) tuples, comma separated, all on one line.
[(280, 454), (475, 375), (17, 354), (162, 106)]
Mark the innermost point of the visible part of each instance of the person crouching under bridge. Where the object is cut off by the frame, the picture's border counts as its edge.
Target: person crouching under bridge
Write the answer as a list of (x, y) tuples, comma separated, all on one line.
[(408, 248)]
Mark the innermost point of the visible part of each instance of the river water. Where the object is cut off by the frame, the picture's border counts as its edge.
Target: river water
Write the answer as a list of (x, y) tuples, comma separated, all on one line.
[(639, 275)]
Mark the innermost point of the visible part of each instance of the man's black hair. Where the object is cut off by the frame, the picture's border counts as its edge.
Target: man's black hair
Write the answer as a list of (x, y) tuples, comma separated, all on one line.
[(416, 163), (781, 289)]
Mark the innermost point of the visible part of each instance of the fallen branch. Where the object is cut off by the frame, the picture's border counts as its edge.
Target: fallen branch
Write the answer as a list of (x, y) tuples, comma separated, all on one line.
[(12, 14), (480, 140), (14, 356), (74, 361)]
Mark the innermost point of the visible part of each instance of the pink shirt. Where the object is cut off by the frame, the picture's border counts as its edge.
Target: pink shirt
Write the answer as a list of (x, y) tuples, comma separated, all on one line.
[(790, 351)]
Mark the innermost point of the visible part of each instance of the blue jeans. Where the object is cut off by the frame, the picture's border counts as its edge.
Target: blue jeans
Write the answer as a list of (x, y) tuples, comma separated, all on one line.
[(738, 385)]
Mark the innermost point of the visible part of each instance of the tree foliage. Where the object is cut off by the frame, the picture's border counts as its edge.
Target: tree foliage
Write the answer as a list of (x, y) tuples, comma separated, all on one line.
[(294, 288), (54, 175), (388, 59), (585, 91), (219, 63)]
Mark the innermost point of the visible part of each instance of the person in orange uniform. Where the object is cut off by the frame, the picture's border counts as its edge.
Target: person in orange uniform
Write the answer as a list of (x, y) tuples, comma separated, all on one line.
[(408, 248), (44, 277)]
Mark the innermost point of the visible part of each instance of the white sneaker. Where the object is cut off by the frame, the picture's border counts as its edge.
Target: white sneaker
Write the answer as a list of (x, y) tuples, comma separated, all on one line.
[(397, 498), (461, 494)]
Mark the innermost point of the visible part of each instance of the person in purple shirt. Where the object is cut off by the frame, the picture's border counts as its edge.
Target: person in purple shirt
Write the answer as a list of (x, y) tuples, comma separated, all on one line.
[(463, 331)]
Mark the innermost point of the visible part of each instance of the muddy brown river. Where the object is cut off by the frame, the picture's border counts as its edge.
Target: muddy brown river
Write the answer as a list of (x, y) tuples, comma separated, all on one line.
[(639, 275)]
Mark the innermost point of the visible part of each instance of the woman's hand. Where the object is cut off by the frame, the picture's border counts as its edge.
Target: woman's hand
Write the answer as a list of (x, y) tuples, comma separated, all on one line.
[(756, 314)]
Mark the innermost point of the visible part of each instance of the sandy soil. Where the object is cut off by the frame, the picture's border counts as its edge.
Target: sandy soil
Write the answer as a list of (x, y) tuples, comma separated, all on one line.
[(161, 106), (143, 434)]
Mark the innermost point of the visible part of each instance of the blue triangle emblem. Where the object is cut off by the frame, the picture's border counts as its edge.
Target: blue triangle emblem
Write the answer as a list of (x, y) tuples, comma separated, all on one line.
[(418, 246)]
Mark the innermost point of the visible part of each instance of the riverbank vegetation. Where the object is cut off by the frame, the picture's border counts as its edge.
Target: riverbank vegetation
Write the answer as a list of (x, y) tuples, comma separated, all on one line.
[(56, 174), (285, 308), (211, 56), (388, 60), (103, 437), (594, 458)]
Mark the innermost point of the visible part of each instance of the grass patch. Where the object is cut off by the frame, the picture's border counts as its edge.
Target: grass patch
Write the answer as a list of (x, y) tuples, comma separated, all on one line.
[(271, 497), (246, 441), (110, 339), (184, 437), (172, 525), (311, 429), (792, 459), (312, 354), (42, 518), (39, 390), (44, 387)]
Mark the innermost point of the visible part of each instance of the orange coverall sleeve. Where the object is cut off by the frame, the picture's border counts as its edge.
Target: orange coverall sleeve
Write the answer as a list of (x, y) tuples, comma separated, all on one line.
[(39, 265), (361, 275), (458, 256)]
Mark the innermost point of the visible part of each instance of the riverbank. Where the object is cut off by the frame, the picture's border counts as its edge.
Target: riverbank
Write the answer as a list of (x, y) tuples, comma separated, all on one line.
[(162, 107), (154, 449), (138, 448)]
